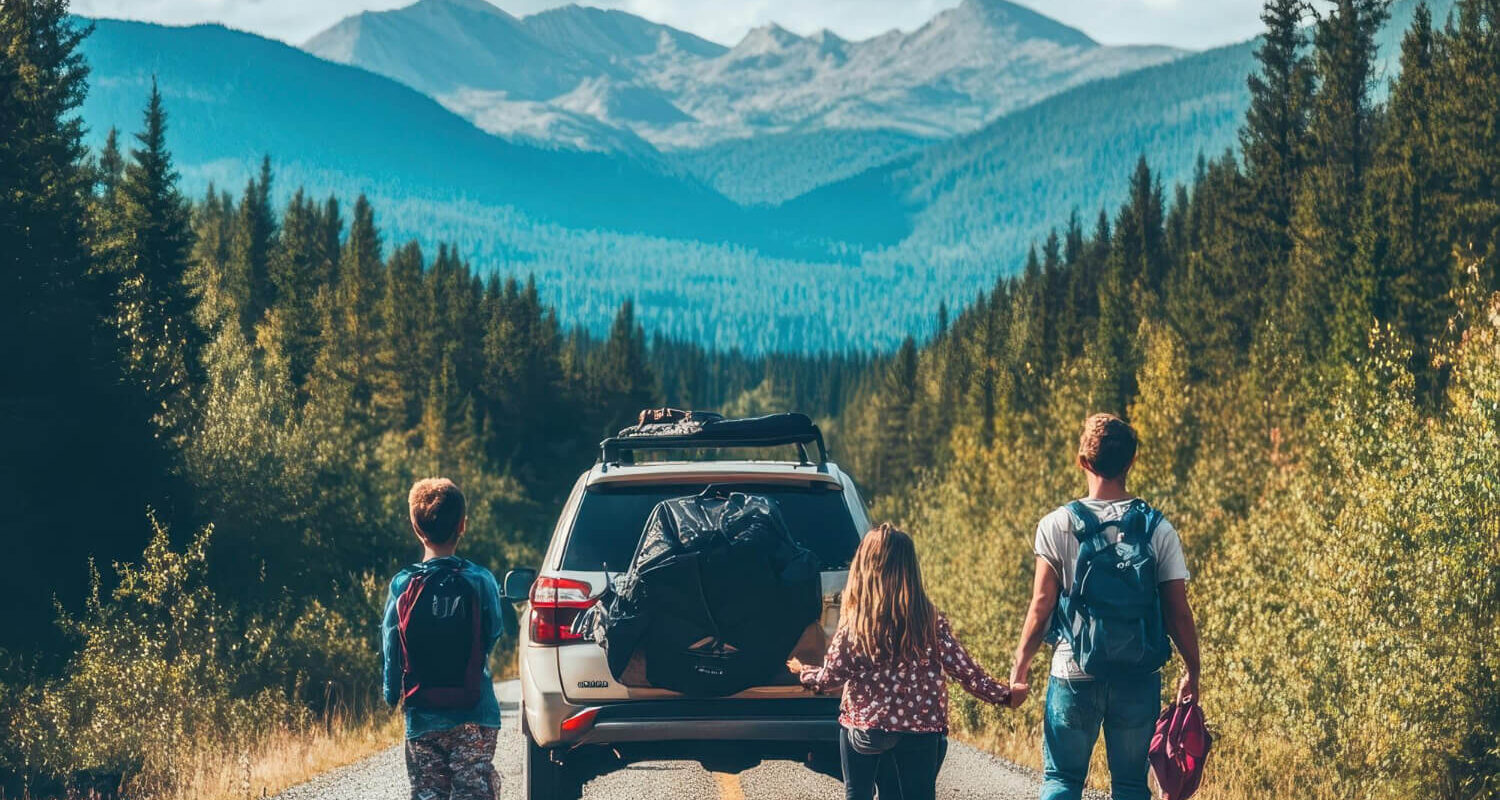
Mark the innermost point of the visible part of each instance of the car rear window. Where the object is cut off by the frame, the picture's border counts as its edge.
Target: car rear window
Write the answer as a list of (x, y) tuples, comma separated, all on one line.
[(610, 519)]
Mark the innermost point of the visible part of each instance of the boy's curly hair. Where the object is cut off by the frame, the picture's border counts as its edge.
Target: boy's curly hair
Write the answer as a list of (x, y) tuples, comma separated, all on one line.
[(437, 509), (1107, 445)]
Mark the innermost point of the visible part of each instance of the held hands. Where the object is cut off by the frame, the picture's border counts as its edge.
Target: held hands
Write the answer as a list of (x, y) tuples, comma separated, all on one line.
[(1019, 687)]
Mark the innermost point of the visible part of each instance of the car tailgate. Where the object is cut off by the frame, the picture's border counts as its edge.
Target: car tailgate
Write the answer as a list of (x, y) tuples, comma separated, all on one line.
[(585, 670)]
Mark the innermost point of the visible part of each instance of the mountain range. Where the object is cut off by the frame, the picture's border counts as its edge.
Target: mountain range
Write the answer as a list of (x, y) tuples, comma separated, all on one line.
[(678, 91), (607, 80), (808, 236)]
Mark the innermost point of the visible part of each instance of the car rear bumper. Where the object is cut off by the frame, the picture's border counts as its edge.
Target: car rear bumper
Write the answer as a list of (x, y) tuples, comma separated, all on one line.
[(554, 722), (812, 719)]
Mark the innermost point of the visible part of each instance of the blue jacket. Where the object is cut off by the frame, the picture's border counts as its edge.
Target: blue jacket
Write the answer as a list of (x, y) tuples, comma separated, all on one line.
[(420, 721)]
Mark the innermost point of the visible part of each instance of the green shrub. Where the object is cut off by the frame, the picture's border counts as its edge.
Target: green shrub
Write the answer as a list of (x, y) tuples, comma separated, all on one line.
[(164, 672)]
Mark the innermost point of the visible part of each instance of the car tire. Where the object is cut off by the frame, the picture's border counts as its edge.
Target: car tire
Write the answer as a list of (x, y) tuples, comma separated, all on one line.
[(544, 778)]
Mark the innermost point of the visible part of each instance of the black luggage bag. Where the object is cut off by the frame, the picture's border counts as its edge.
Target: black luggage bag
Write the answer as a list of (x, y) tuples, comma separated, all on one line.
[(717, 595)]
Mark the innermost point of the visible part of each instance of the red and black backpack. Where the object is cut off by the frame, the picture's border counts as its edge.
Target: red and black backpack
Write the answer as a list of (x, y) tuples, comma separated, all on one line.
[(442, 647)]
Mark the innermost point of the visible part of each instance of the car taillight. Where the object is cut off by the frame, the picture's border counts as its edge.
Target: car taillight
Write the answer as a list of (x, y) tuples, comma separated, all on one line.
[(581, 721), (555, 604)]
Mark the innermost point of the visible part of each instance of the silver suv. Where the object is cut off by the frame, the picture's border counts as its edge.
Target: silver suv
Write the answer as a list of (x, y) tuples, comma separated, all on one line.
[(577, 719)]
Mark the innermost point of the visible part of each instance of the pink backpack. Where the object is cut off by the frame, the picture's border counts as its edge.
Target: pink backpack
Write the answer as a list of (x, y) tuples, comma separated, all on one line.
[(1178, 750)]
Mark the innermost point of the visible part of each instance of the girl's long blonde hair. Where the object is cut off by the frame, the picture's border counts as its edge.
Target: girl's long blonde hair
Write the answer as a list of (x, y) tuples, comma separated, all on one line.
[(886, 614)]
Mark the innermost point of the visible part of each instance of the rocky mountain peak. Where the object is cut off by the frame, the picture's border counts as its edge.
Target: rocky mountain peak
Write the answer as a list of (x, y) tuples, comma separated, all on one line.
[(1012, 21)]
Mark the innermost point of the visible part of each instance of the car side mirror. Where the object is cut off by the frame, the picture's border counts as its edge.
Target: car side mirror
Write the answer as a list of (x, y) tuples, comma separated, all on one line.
[(517, 587)]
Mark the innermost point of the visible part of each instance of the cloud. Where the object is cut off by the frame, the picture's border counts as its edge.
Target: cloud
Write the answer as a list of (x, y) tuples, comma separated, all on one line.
[(1184, 23)]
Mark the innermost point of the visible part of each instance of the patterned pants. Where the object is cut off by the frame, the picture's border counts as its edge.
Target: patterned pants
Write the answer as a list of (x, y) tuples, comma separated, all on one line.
[(455, 764)]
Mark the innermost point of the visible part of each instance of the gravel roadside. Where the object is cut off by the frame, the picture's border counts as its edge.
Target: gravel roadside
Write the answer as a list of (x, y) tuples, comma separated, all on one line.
[(968, 774)]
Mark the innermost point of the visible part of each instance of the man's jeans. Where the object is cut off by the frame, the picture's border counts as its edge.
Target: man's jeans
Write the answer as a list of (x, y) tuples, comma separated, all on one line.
[(1125, 707)]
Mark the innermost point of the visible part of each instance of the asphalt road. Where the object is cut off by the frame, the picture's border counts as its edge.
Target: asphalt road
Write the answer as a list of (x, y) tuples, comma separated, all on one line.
[(967, 774)]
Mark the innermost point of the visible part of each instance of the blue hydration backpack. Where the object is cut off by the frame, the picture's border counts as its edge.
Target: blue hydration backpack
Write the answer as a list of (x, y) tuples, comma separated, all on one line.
[(1112, 615)]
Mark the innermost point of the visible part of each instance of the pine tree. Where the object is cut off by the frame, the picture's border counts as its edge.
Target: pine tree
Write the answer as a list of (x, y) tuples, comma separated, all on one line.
[(455, 314), (1212, 300), (209, 276), (43, 184), (107, 236), (359, 273), (1274, 139), (1054, 301), (1132, 285), (1084, 284), (1180, 233), (1332, 297), (251, 248), (1405, 246), (1467, 128), (111, 169), (66, 416), (1140, 236), (894, 407), (330, 228), (298, 271), (504, 365), (153, 308), (410, 351), (624, 376), (523, 371), (1114, 340), (347, 358), (1024, 356), (441, 414), (983, 352), (1071, 325)]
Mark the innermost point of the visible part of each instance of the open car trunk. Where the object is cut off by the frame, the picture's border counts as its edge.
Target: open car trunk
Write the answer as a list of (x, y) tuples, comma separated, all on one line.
[(607, 530), (586, 676)]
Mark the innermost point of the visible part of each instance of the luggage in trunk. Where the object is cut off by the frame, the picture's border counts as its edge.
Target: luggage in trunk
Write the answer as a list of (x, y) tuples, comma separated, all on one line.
[(717, 595)]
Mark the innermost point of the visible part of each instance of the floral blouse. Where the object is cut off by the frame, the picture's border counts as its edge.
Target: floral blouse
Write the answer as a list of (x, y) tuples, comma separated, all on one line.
[(909, 696)]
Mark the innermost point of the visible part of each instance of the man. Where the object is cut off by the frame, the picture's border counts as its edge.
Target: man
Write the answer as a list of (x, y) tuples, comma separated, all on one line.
[(1110, 587)]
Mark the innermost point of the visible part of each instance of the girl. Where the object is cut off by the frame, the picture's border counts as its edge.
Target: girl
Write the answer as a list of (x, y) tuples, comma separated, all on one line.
[(890, 653)]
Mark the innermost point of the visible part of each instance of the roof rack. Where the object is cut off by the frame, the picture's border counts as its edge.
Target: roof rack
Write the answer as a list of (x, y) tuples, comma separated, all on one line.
[(728, 434)]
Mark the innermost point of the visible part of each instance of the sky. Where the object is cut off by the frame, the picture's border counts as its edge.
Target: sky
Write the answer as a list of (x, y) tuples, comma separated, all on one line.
[(1194, 24)]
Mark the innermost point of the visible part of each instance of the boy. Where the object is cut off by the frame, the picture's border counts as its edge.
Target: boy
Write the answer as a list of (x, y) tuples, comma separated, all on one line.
[(1126, 547), (442, 618)]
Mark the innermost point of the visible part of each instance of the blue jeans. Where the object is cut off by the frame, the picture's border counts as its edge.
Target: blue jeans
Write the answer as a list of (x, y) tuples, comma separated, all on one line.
[(1125, 707)]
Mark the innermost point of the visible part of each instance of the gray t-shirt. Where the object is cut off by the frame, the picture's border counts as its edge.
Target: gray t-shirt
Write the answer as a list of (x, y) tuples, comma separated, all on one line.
[(1056, 544)]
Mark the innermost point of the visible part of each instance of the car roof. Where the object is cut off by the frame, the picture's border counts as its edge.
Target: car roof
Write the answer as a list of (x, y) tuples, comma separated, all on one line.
[(693, 471)]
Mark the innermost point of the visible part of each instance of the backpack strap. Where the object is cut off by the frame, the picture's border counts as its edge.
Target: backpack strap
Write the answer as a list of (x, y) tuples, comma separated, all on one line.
[(1085, 522), (1144, 531), (1065, 615), (1089, 532)]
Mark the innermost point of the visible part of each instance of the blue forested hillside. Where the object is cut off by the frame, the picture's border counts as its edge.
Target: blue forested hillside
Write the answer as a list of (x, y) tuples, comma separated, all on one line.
[(774, 168), (234, 96), (975, 204), (988, 195)]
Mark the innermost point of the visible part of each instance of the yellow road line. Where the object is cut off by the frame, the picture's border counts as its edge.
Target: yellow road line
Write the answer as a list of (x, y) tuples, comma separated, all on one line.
[(729, 786)]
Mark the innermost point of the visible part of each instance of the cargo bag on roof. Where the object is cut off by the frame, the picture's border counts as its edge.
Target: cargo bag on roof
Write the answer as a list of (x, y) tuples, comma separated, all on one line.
[(717, 595), (673, 422)]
